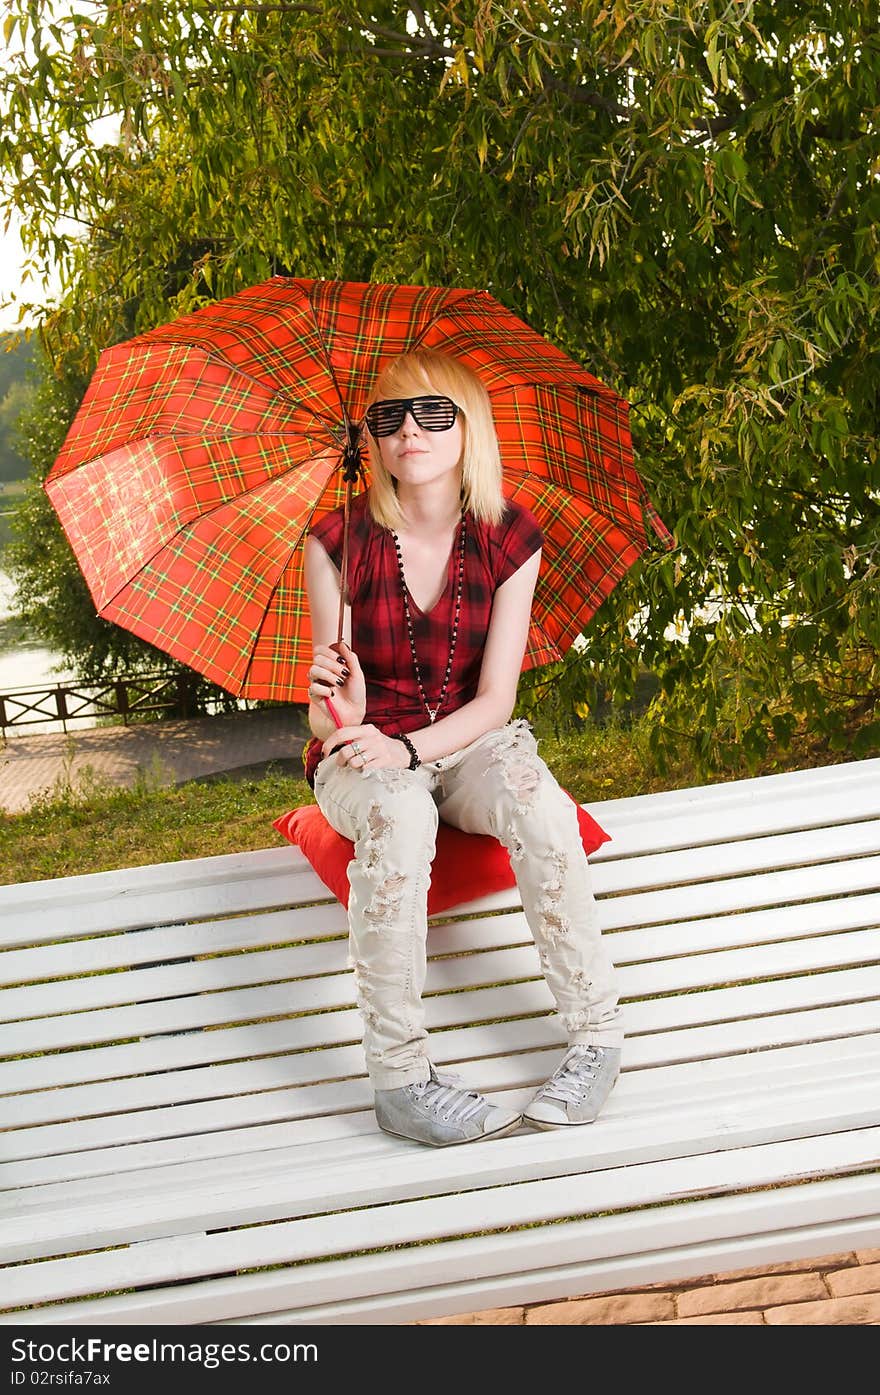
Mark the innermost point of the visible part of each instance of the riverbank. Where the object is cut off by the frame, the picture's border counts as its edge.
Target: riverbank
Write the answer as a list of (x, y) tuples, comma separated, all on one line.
[(24, 661)]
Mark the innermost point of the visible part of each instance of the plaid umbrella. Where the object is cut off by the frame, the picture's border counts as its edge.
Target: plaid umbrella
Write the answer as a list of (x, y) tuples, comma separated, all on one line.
[(204, 449)]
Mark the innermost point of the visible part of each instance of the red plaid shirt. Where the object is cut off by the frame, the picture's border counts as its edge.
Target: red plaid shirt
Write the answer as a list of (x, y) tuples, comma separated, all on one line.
[(378, 620)]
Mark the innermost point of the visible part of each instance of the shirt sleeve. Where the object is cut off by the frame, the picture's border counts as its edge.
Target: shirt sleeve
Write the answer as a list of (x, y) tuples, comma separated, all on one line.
[(328, 531), (517, 537)]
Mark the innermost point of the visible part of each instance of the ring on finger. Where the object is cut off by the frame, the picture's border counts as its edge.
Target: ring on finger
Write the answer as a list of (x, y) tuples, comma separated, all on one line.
[(356, 747)]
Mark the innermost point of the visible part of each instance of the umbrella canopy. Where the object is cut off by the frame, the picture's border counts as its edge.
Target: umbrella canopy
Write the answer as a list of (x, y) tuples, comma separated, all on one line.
[(204, 450)]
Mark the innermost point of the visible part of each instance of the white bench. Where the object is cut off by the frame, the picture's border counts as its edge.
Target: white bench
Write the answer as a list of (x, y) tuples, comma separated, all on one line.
[(188, 1128)]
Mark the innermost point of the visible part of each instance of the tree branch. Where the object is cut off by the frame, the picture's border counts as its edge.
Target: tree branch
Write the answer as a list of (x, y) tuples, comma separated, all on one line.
[(582, 97), (524, 125), (832, 209), (427, 44), (421, 19)]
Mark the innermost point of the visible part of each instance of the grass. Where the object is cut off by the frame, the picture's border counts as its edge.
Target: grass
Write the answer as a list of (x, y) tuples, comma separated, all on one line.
[(93, 827), (84, 825)]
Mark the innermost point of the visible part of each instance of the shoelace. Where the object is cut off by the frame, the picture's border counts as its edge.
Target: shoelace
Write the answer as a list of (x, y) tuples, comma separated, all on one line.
[(444, 1090), (575, 1074)]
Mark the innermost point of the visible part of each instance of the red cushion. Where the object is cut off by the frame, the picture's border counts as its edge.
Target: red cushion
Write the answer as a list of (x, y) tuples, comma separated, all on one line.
[(466, 865)]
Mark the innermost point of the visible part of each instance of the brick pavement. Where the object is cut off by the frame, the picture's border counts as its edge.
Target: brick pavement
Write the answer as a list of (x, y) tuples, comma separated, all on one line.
[(835, 1290), (841, 1290), (167, 752)]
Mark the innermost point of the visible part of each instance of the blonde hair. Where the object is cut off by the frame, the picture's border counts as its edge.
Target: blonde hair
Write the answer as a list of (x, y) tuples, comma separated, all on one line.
[(429, 371)]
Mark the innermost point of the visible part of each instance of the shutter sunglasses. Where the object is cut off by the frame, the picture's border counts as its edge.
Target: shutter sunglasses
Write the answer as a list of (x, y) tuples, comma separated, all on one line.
[(430, 413)]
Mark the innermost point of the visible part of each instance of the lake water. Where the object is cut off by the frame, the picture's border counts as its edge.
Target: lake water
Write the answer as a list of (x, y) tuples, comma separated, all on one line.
[(28, 664)]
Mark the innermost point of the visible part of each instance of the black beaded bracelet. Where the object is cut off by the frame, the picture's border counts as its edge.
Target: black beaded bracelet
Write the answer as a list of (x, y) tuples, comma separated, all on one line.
[(414, 759)]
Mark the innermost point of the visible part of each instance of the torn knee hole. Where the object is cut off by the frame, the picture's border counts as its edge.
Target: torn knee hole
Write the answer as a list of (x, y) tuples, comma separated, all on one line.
[(377, 823), (522, 779), (385, 902), (378, 828), (553, 887), (363, 989), (555, 925)]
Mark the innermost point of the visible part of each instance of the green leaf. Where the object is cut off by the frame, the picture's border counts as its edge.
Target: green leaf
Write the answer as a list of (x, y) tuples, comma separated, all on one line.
[(724, 284)]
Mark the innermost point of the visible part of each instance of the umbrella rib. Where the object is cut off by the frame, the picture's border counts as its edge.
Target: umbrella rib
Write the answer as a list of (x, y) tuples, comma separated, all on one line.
[(207, 434), (197, 518), (447, 310), (273, 593), (278, 391), (327, 364)]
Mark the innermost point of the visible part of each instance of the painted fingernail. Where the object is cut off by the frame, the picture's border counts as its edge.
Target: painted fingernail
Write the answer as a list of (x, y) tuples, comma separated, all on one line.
[(340, 682)]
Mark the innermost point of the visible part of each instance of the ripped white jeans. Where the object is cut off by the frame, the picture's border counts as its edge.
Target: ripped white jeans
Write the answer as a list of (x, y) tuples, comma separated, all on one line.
[(499, 785)]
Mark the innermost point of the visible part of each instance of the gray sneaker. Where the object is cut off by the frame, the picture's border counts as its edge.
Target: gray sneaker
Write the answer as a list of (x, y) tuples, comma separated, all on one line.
[(440, 1112), (577, 1089)]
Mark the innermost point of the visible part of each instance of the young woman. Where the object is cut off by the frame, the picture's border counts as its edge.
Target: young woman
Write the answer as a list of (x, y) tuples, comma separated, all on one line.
[(442, 570)]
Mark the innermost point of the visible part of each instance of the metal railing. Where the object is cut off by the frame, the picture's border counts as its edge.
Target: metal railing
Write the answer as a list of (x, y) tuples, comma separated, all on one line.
[(128, 698)]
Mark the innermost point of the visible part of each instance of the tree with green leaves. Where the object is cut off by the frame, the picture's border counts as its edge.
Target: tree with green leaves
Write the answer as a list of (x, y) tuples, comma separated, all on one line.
[(16, 393), (683, 196)]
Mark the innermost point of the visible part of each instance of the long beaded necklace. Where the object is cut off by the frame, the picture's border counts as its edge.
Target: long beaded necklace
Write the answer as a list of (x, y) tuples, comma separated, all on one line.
[(462, 538)]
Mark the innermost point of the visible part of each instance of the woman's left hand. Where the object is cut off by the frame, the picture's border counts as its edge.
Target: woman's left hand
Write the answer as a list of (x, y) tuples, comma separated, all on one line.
[(366, 748)]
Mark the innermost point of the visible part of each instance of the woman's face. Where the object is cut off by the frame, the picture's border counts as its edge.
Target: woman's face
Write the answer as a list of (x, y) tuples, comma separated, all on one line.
[(416, 456)]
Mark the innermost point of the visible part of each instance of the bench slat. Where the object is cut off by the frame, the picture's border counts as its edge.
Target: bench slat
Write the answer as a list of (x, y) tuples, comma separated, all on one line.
[(188, 1116), (296, 1096), (475, 969), (673, 830), (813, 785), (797, 993), (305, 1181), (646, 1089), (813, 849), (441, 1010), (749, 928), (415, 1302), (158, 894), (727, 895), (596, 1255), (355, 1096), (412, 1222), (165, 945), (317, 995), (741, 893)]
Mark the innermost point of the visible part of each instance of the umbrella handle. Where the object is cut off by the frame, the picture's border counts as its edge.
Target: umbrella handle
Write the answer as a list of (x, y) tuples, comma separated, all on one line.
[(353, 471), (330, 708), (343, 589), (333, 713)]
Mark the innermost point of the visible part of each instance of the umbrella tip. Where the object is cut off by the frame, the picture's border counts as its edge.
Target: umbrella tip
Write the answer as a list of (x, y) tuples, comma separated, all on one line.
[(352, 455)]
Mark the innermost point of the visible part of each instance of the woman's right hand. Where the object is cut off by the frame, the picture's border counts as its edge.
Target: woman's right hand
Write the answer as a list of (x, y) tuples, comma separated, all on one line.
[(335, 673)]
